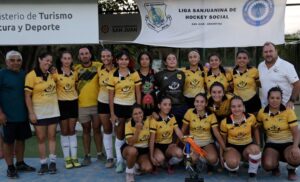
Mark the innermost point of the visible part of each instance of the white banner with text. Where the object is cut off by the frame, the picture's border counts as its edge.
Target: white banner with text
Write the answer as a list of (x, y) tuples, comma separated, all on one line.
[(211, 23), (53, 23)]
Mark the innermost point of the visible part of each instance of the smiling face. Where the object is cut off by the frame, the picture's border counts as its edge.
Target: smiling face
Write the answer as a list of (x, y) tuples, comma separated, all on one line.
[(45, 63), (137, 115), (217, 93), (171, 61), (194, 58), (200, 103), (275, 99), (123, 61), (237, 107), (214, 62), (242, 60), (66, 59), (165, 106), (270, 54), (106, 57)]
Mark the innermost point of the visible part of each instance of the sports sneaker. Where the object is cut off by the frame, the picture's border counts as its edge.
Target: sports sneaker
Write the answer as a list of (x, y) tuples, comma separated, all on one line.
[(276, 172), (68, 163), (292, 176), (12, 173), (120, 167), (170, 169), (52, 168), (101, 157), (109, 163), (75, 162), (43, 169), (86, 160), (130, 177), (23, 167)]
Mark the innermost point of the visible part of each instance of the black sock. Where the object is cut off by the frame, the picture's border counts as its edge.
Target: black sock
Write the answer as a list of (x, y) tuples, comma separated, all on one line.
[(252, 175), (11, 167), (20, 163)]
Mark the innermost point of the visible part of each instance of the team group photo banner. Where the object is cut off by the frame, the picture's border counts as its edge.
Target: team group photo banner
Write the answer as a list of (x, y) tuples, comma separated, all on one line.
[(211, 23), (42, 22)]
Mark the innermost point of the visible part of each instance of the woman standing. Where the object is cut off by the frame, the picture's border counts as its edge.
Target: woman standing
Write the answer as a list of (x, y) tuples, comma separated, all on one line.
[(124, 90), (245, 81), (281, 128), (103, 104), (237, 131), (194, 78), (201, 123), (65, 79), (170, 82), (42, 104), (217, 73), (161, 134), (147, 75), (136, 150)]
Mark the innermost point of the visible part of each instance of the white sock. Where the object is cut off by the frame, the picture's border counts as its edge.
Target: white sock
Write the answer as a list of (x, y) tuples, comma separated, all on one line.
[(65, 145), (118, 145), (52, 158), (175, 160), (73, 146), (107, 142), (43, 161), (130, 171), (230, 169), (254, 161)]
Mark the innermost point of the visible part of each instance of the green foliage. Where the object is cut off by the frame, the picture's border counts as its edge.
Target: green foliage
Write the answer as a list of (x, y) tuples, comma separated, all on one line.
[(113, 6)]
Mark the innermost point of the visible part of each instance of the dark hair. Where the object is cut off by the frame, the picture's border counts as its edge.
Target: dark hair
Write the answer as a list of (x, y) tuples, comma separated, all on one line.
[(58, 62), (269, 43), (136, 106), (171, 53), (214, 54), (235, 97), (144, 53), (126, 53), (202, 95), (41, 55), (105, 49), (194, 50), (161, 98), (242, 51), (216, 84), (275, 89)]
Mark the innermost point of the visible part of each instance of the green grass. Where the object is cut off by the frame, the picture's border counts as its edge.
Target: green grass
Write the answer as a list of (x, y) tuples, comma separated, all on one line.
[(31, 149)]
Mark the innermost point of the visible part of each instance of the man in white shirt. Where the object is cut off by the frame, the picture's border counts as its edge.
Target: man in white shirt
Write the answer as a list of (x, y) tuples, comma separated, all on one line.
[(274, 71)]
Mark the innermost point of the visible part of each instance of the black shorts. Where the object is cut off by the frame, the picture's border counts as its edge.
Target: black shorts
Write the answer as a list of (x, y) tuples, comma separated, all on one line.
[(16, 131), (279, 147), (162, 147), (103, 108), (239, 148), (253, 105), (47, 121), (141, 151), (122, 111), (68, 109)]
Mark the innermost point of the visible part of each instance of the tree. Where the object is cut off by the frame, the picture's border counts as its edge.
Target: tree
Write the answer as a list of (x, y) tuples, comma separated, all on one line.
[(117, 6)]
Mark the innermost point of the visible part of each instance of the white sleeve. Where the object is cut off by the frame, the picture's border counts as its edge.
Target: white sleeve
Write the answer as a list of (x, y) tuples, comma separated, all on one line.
[(291, 74)]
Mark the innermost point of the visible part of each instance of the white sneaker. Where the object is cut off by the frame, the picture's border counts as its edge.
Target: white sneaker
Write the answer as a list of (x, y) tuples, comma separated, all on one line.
[(130, 177)]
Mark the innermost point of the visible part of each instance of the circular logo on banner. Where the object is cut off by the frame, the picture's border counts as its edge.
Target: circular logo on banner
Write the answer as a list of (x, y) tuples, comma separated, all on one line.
[(258, 12)]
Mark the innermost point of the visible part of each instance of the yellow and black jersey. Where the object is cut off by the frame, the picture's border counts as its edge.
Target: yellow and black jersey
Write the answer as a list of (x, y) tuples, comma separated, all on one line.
[(144, 136), (238, 134), (88, 84), (245, 83), (199, 127), (278, 126), (163, 129), (124, 87), (194, 81), (224, 77), (44, 97), (103, 75), (222, 110), (66, 86)]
